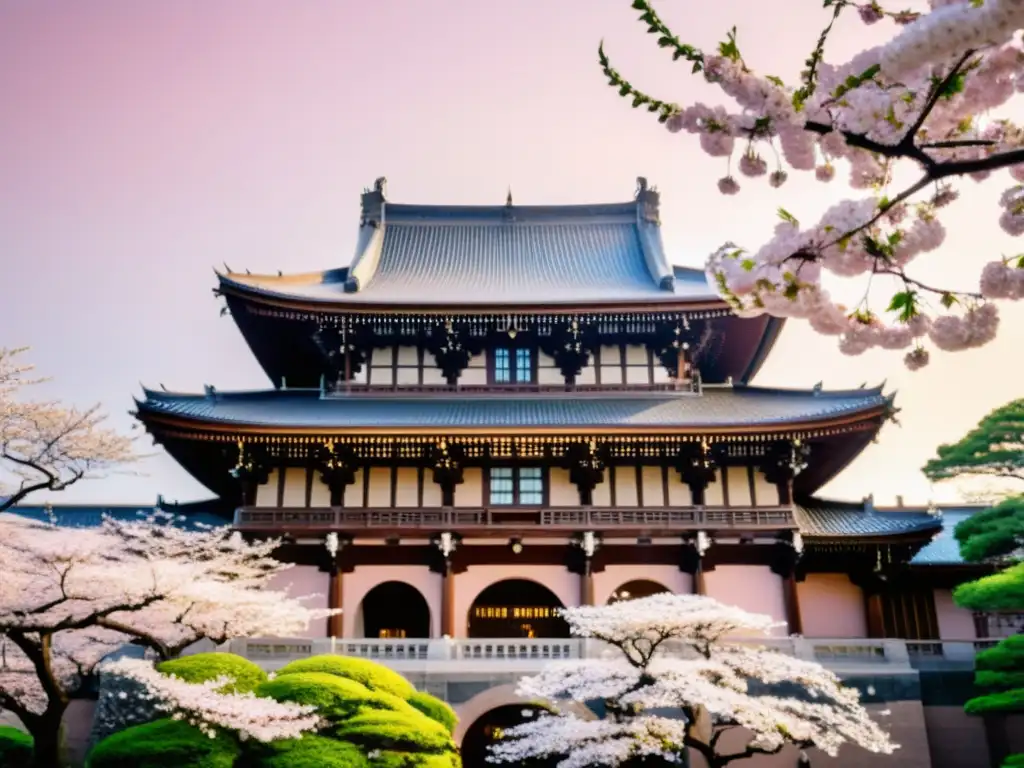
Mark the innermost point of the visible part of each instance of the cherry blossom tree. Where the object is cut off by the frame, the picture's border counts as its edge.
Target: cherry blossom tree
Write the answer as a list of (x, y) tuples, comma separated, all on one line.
[(45, 445), (921, 102), (673, 681), (71, 596)]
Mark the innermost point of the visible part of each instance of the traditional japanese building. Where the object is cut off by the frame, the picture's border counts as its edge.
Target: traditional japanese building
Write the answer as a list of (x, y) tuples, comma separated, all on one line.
[(496, 411)]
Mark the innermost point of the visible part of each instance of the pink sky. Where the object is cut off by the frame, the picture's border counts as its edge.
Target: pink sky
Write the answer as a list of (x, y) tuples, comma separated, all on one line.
[(143, 143)]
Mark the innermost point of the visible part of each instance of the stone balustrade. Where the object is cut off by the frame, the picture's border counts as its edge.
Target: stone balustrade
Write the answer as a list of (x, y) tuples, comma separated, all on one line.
[(462, 656)]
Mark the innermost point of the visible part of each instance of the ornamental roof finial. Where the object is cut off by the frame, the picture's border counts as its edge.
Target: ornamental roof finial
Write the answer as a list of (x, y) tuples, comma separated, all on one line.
[(508, 198)]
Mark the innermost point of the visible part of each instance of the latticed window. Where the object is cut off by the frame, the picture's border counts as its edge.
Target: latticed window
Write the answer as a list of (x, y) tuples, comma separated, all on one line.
[(516, 486), (512, 366)]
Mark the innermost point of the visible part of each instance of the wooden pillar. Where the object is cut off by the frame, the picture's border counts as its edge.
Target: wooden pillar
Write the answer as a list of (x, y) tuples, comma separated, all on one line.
[(335, 600), (448, 601), (791, 599), (873, 610), (700, 587), (587, 583)]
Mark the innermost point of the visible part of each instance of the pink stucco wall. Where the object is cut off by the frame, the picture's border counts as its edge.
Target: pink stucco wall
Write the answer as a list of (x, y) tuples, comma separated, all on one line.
[(614, 576), (955, 623), (750, 587), (831, 606), (564, 584), (303, 580), (355, 585)]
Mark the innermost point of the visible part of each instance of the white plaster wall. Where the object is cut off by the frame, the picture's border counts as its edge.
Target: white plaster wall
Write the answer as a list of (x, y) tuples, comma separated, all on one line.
[(564, 584), (380, 487), (608, 581), (303, 581), (295, 487), (602, 495), (714, 495), (355, 585), (432, 375), (475, 372), (562, 493), (587, 375), (431, 491), (654, 487), (679, 494), (320, 494), (753, 588), (739, 486), (626, 487), (407, 490), (767, 494), (354, 492), (955, 623), (266, 494), (470, 493), (831, 606)]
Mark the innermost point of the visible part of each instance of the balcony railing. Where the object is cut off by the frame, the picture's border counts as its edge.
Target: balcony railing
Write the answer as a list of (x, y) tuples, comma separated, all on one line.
[(518, 519), (492, 656), (392, 390)]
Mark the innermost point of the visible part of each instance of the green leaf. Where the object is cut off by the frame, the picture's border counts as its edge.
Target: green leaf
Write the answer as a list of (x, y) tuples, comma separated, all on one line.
[(788, 217), (748, 265), (948, 300), (899, 301), (776, 80)]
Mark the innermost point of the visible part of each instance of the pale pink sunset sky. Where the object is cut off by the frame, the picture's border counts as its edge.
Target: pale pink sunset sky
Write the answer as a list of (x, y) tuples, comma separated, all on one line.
[(143, 143)]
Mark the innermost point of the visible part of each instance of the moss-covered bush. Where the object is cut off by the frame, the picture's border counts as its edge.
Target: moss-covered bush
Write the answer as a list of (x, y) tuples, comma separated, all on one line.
[(374, 676), (335, 698), (201, 667), (164, 744), (435, 709), (1014, 761), (386, 759), (396, 731), (15, 748), (308, 752)]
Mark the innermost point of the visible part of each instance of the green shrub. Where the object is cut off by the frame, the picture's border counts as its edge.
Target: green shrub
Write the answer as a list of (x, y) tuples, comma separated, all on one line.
[(202, 667), (335, 698), (15, 747), (374, 676), (1008, 701), (435, 709), (308, 752), (386, 759), (164, 744), (1014, 761), (397, 731)]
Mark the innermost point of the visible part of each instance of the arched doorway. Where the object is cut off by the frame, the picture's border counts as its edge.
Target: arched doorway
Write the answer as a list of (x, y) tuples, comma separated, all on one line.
[(635, 589), (393, 610), (516, 608), (487, 729)]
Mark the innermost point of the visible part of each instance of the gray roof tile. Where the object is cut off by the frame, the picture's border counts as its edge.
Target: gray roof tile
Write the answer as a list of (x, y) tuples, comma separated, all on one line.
[(944, 549), (715, 407), (431, 255), (821, 517)]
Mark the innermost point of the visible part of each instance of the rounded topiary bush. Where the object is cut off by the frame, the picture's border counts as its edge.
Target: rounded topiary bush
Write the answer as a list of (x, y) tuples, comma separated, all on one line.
[(395, 731), (164, 744), (435, 709), (387, 759), (201, 667), (374, 676), (15, 747), (335, 698), (307, 752)]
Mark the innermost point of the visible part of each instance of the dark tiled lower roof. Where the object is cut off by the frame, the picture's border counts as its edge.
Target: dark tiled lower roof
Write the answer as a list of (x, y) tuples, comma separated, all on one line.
[(715, 407), (944, 549), (73, 516), (824, 518)]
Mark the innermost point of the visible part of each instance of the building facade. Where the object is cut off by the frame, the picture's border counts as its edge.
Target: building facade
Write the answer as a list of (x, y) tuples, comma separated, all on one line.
[(494, 412)]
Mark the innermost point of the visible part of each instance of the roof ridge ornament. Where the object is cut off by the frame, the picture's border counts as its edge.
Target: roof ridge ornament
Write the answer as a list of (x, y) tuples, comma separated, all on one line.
[(373, 203), (649, 201)]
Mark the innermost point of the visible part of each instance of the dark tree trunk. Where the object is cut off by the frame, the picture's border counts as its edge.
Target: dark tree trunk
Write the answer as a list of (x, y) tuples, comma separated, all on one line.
[(45, 732)]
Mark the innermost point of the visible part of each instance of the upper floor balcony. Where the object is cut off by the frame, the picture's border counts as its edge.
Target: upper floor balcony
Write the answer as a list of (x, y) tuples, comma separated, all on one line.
[(517, 519)]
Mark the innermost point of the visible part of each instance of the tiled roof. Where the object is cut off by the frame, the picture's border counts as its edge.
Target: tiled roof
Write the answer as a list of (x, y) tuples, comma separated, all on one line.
[(944, 549), (715, 407), (824, 518), (431, 255), (73, 516)]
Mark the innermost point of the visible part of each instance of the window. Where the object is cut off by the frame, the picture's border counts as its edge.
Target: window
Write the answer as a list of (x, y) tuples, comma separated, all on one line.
[(512, 366), (516, 486)]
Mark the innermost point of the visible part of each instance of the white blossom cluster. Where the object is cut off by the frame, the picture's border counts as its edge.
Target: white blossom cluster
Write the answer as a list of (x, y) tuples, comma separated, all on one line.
[(46, 446), (73, 595), (924, 99), (675, 663), (208, 708)]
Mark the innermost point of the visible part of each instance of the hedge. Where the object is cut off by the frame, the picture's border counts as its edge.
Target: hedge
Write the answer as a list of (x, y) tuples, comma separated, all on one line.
[(374, 676), (164, 744), (435, 709), (201, 667), (1008, 701), (15, 747), (387, 759), (395, 731), (1014, 761), (308, 752), (335, 698)]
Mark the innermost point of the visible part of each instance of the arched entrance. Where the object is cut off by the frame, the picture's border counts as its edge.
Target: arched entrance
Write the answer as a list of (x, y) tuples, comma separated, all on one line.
[(487, 729), (393, 610), (516, 608), (637, 588)]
